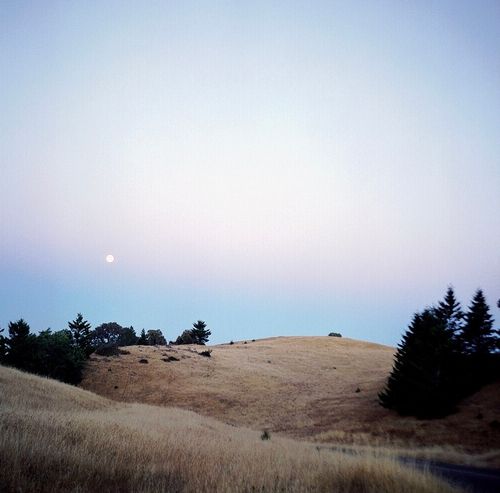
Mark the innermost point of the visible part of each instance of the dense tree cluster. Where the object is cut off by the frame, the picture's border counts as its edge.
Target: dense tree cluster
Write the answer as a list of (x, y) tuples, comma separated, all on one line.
[(444, 355), (198, 334), (62, 354), (52, 354)]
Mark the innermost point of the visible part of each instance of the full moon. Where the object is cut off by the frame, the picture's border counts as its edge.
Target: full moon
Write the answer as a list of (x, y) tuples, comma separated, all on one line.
[(110, 259)]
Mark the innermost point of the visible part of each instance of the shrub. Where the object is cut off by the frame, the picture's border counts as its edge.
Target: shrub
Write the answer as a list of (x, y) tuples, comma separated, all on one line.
[(155, 338), (207, 354), (170, 358), (335, 334), (185, 338), (265, 435), (143, 360), (110, 349)]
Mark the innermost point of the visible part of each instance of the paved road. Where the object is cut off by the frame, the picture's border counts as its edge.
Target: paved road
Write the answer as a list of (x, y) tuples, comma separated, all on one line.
[(474, 479)]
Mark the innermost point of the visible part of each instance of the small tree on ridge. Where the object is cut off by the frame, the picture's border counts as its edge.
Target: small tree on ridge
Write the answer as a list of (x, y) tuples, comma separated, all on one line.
[(200, 332)]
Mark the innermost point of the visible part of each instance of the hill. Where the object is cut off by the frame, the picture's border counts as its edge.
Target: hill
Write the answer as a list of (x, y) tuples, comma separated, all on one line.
[(57, 438), (316, 388)]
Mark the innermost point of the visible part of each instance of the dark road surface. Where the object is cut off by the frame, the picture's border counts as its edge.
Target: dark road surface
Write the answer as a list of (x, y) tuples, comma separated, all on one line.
[(474, 479)]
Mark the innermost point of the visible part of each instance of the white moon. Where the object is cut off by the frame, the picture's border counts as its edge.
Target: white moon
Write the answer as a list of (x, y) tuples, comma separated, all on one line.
[(110, 259)]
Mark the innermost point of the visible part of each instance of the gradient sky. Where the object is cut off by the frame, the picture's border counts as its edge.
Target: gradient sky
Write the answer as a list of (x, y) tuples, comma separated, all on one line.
[(274, 168)]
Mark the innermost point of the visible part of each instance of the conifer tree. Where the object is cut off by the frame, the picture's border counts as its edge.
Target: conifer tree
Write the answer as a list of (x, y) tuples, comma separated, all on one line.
[(81, 334), (200, 332), (21, 346), (478, 336), (421, 381), (450, 312), (143, 340)]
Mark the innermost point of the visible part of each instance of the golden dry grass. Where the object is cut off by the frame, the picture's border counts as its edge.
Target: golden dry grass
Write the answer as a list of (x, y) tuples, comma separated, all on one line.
[(302, 387), (54, 438)]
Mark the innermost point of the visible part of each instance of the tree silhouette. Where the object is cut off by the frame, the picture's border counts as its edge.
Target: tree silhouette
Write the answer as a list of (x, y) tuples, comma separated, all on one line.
[(127, 337), (155, 338), (422, 379), (186, 338), (58, 357), (81, 334), (107, 334), (20, 346), (200, 332), (478, 336), (142, 341), (450, 311)]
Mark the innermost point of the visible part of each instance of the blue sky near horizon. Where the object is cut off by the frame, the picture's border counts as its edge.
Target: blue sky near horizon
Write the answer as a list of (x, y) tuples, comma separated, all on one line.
[(292, 168)]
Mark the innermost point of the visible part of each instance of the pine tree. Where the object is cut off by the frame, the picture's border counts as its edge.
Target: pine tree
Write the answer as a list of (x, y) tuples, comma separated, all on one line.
[(450, 312), (422, 380), (142, 341), (81, 334), (200, 333), (21, 346), (478, 336)]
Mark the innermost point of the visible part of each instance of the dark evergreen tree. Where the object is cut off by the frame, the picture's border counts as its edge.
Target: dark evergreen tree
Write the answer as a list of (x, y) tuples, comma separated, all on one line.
[(200, 332), (20, 346), (451, 313), (142, 341), (81, 334), (422, 379), (478, 336)]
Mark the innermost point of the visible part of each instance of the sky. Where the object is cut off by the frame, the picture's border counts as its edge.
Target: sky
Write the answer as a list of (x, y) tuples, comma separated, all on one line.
[(273, 168)]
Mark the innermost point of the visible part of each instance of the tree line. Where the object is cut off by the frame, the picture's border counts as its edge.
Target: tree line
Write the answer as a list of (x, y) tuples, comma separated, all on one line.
[(445, 355), (62, 354)]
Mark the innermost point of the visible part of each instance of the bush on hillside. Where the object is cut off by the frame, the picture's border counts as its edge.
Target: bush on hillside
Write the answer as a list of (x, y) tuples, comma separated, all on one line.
[(155, 338), (110, 349), (185, 338), (335, 334)]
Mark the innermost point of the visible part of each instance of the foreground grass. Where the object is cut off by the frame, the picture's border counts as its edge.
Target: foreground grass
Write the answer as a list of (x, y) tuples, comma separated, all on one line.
[(55, 437)]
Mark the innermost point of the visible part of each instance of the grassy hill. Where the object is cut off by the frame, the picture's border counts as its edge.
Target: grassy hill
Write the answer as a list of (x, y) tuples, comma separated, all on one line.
[(316, 388), (55, 438)]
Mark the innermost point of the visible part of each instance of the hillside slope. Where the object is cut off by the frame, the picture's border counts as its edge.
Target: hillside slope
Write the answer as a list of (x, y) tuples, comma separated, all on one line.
[(58, 438), (320, 388)]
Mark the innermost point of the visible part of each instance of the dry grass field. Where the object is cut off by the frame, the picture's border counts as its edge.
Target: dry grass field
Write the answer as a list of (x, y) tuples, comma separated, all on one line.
[(58, 438), (301, 387)]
